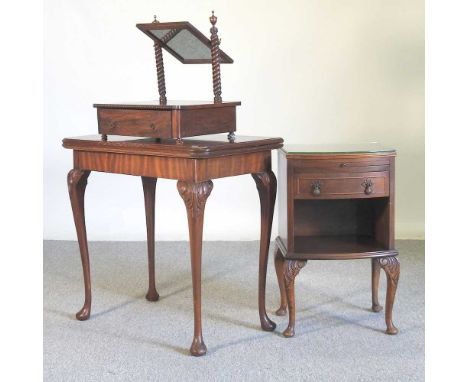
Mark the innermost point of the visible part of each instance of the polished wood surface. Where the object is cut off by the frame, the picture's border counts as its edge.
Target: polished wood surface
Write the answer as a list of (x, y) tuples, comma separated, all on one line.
[(141, 123), (172, 168), (336, 206), (168, 119), (215, 59), (195, 196), (77, 181), (172, 122), (194, 163), (291, 270), (281, 311), (149, 190), (169, 105), (334, 248), (208, 146), (391, 266), (322, 187), (266, 186)]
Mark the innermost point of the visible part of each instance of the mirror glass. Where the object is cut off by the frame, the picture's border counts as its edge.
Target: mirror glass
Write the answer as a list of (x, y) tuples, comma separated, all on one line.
[(159, 33), (189, 46), (185, 44)]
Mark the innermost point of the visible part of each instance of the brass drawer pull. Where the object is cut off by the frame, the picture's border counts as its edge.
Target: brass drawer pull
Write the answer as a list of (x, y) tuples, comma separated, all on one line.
[(368, 186), (316, 188)]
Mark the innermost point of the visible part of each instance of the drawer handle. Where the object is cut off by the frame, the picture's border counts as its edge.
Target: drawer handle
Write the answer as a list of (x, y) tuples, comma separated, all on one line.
[(316, 188), (368, 186)]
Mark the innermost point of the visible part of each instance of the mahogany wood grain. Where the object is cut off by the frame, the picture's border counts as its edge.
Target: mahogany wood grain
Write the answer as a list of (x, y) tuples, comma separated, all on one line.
[(279, 267), (207, 121), (77, 181), (166, 123), (206, 147), (345, 165), (291, 270), (195, 170), (338, 217), (193, 163), (169, 105), (338, 206), (284, 212), (334, 248), (376, 307), (391, 266), (266, 186), (141, 123), (149, 190), (342, 188), (195, 196)]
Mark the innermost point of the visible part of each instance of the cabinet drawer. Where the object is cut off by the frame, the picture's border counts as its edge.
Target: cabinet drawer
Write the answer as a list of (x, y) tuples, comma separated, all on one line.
[(144, 123), (370, 185), (344, 166)]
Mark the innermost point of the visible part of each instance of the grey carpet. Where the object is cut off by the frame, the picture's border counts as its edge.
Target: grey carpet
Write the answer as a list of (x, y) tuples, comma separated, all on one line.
[(130, 339)]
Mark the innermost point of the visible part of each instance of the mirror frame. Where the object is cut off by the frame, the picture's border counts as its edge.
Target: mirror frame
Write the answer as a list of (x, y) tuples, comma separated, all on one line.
[(147, 28)]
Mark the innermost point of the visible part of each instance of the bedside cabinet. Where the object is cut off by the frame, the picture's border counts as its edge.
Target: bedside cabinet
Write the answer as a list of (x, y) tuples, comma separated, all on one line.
[(336, 203)]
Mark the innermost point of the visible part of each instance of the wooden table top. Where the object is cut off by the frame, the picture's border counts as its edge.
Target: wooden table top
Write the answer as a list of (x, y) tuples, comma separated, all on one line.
[(205, 146)]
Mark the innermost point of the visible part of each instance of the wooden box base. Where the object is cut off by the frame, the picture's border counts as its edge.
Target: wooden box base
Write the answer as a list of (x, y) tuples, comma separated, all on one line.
[(175, 119)]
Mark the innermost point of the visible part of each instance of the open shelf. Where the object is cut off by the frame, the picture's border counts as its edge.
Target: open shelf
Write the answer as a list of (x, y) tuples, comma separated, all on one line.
[(338, 247), (340, 229)]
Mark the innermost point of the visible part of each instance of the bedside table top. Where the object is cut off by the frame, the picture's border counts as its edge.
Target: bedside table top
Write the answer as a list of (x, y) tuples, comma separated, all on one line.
[(364, 148)]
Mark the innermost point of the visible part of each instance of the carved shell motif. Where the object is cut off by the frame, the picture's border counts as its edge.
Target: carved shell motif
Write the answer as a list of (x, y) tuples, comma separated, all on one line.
[(391, 266), (195, 195), (291, 270)]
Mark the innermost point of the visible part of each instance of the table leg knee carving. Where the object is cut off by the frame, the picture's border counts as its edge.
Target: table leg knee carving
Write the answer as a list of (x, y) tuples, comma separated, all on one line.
[(291, 270)]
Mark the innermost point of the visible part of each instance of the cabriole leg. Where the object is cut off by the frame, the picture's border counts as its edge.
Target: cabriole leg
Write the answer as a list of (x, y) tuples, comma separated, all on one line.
[(266, 186), (291, 270), (149, 190), (77, 181), (391, 266), (279, 267), (195, 196)]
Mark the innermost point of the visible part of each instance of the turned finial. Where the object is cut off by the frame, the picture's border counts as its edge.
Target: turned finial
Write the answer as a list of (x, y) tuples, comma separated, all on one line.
[(155, 19), (213, 18)]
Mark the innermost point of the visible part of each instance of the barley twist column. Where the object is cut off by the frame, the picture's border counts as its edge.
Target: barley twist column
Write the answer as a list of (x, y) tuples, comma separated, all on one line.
[(216, 69)]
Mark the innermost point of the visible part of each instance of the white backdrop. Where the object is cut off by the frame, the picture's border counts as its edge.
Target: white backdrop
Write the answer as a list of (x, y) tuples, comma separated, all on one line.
[(318, 71)]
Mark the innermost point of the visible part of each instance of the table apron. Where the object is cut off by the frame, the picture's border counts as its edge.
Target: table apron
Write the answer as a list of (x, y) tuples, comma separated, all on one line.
[(189, 169)]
